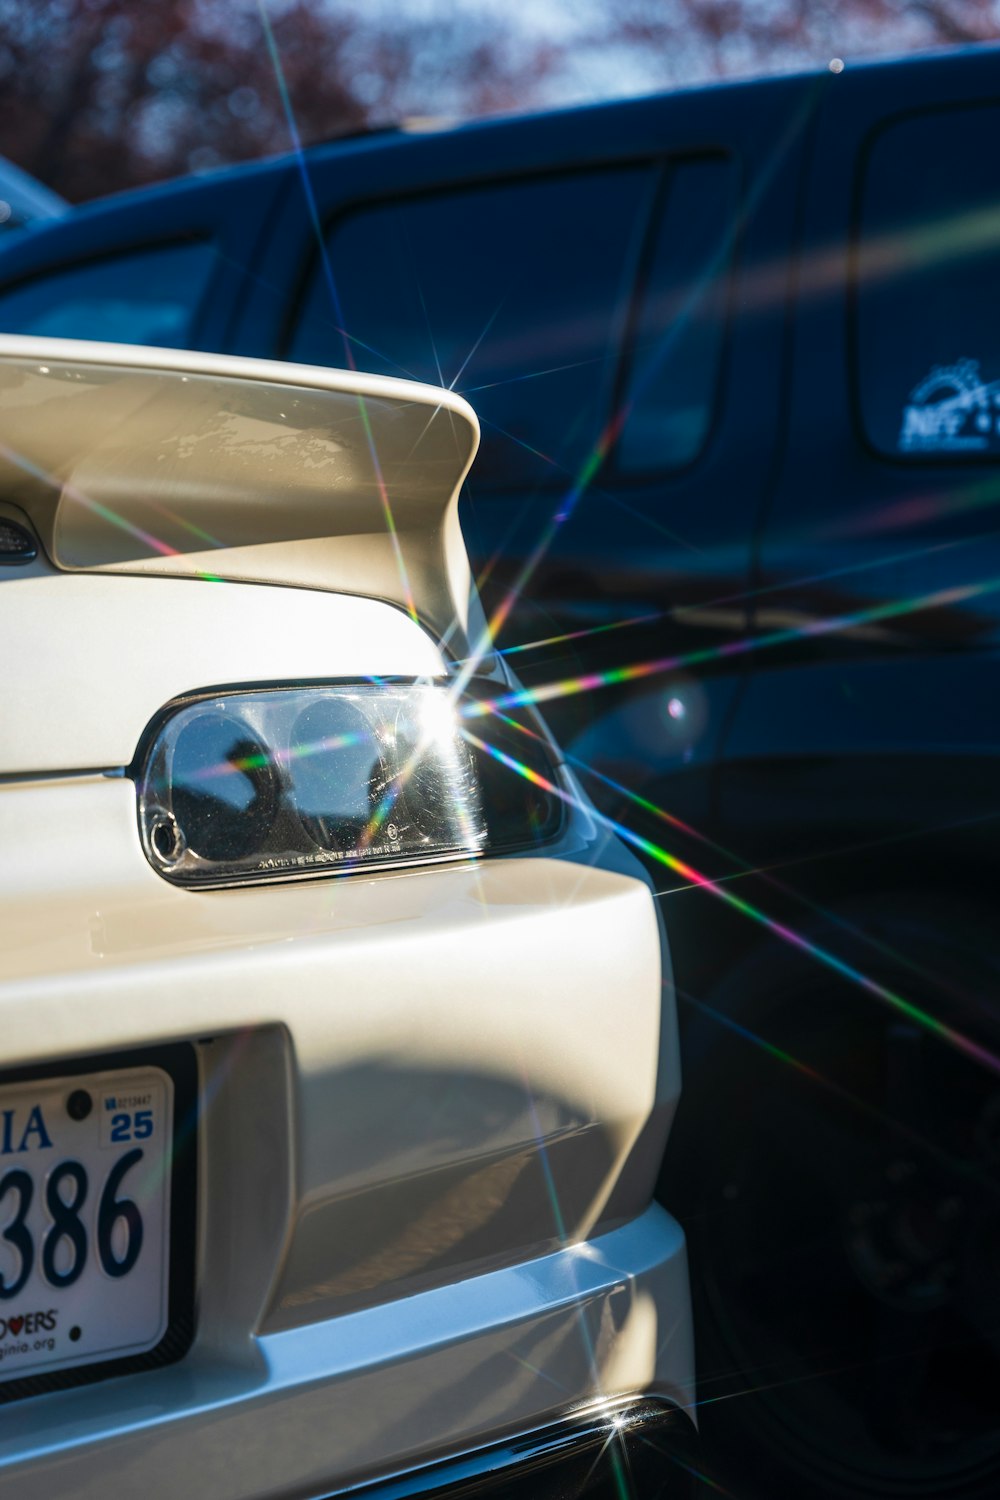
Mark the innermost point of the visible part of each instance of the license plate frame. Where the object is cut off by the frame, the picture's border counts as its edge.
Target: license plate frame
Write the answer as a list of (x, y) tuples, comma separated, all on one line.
[(178, 1061)]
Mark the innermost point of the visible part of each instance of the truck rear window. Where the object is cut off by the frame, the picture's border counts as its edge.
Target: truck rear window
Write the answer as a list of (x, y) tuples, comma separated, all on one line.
[(927, 264)]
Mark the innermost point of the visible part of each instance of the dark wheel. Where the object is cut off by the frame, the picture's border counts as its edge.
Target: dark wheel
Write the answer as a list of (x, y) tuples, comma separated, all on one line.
[(837, 1167)]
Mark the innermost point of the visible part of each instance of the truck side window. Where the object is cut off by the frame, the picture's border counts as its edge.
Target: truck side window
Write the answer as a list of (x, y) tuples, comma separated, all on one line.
[(514, 294), (143, 297), (927, 259), (670, 393)]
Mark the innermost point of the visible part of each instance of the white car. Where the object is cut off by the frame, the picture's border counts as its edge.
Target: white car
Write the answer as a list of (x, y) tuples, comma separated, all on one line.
[(339, 1047)]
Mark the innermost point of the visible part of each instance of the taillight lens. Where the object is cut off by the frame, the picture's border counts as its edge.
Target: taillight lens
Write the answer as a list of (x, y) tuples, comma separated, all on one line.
[(283, 783)]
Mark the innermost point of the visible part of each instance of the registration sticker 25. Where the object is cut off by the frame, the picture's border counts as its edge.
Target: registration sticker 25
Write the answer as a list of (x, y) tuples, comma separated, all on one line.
[(129, 1117)]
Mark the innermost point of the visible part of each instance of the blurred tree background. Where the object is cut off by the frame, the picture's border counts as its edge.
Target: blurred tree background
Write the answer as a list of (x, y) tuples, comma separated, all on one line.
[(98, 95)]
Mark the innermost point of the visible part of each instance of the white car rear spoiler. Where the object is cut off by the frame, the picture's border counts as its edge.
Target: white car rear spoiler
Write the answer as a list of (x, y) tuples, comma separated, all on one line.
[(146, 460)]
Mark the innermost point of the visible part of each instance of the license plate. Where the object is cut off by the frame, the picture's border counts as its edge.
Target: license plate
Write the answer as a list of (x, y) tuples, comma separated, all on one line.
[(85, 1193)]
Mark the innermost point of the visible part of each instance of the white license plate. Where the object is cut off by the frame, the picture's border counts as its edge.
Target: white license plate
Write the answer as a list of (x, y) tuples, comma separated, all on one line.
[(85, 1165)]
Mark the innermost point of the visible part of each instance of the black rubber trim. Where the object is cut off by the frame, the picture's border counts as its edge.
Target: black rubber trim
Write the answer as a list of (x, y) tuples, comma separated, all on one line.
[(642, 1447), (178, 1060)]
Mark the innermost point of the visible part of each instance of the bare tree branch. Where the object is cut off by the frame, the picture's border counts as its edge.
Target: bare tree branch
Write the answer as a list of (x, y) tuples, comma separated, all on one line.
[(97, 95)]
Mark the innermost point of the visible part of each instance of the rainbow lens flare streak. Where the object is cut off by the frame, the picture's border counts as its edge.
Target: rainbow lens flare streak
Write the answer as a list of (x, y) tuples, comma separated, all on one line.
[(788, 935), (111, 516), (569, 686), (307, 188), (70, 491), (262, 760), (918, 510), (650, 617), (967, 1169), (763, 873), (822, 270), (609, 436), (579, 635)]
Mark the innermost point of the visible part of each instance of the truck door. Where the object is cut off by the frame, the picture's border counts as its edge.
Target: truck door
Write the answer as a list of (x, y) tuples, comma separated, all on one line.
[(608, 289), (877, 613)]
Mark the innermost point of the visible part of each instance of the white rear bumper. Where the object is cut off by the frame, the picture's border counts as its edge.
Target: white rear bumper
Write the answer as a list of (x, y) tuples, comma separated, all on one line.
[(376, 1390)]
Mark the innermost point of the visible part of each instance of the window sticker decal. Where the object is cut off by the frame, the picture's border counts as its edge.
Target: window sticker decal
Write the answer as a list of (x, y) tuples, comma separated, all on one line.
[(952, 410)]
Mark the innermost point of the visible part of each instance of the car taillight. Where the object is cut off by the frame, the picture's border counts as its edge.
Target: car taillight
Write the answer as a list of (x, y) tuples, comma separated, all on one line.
[(280, 783)]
